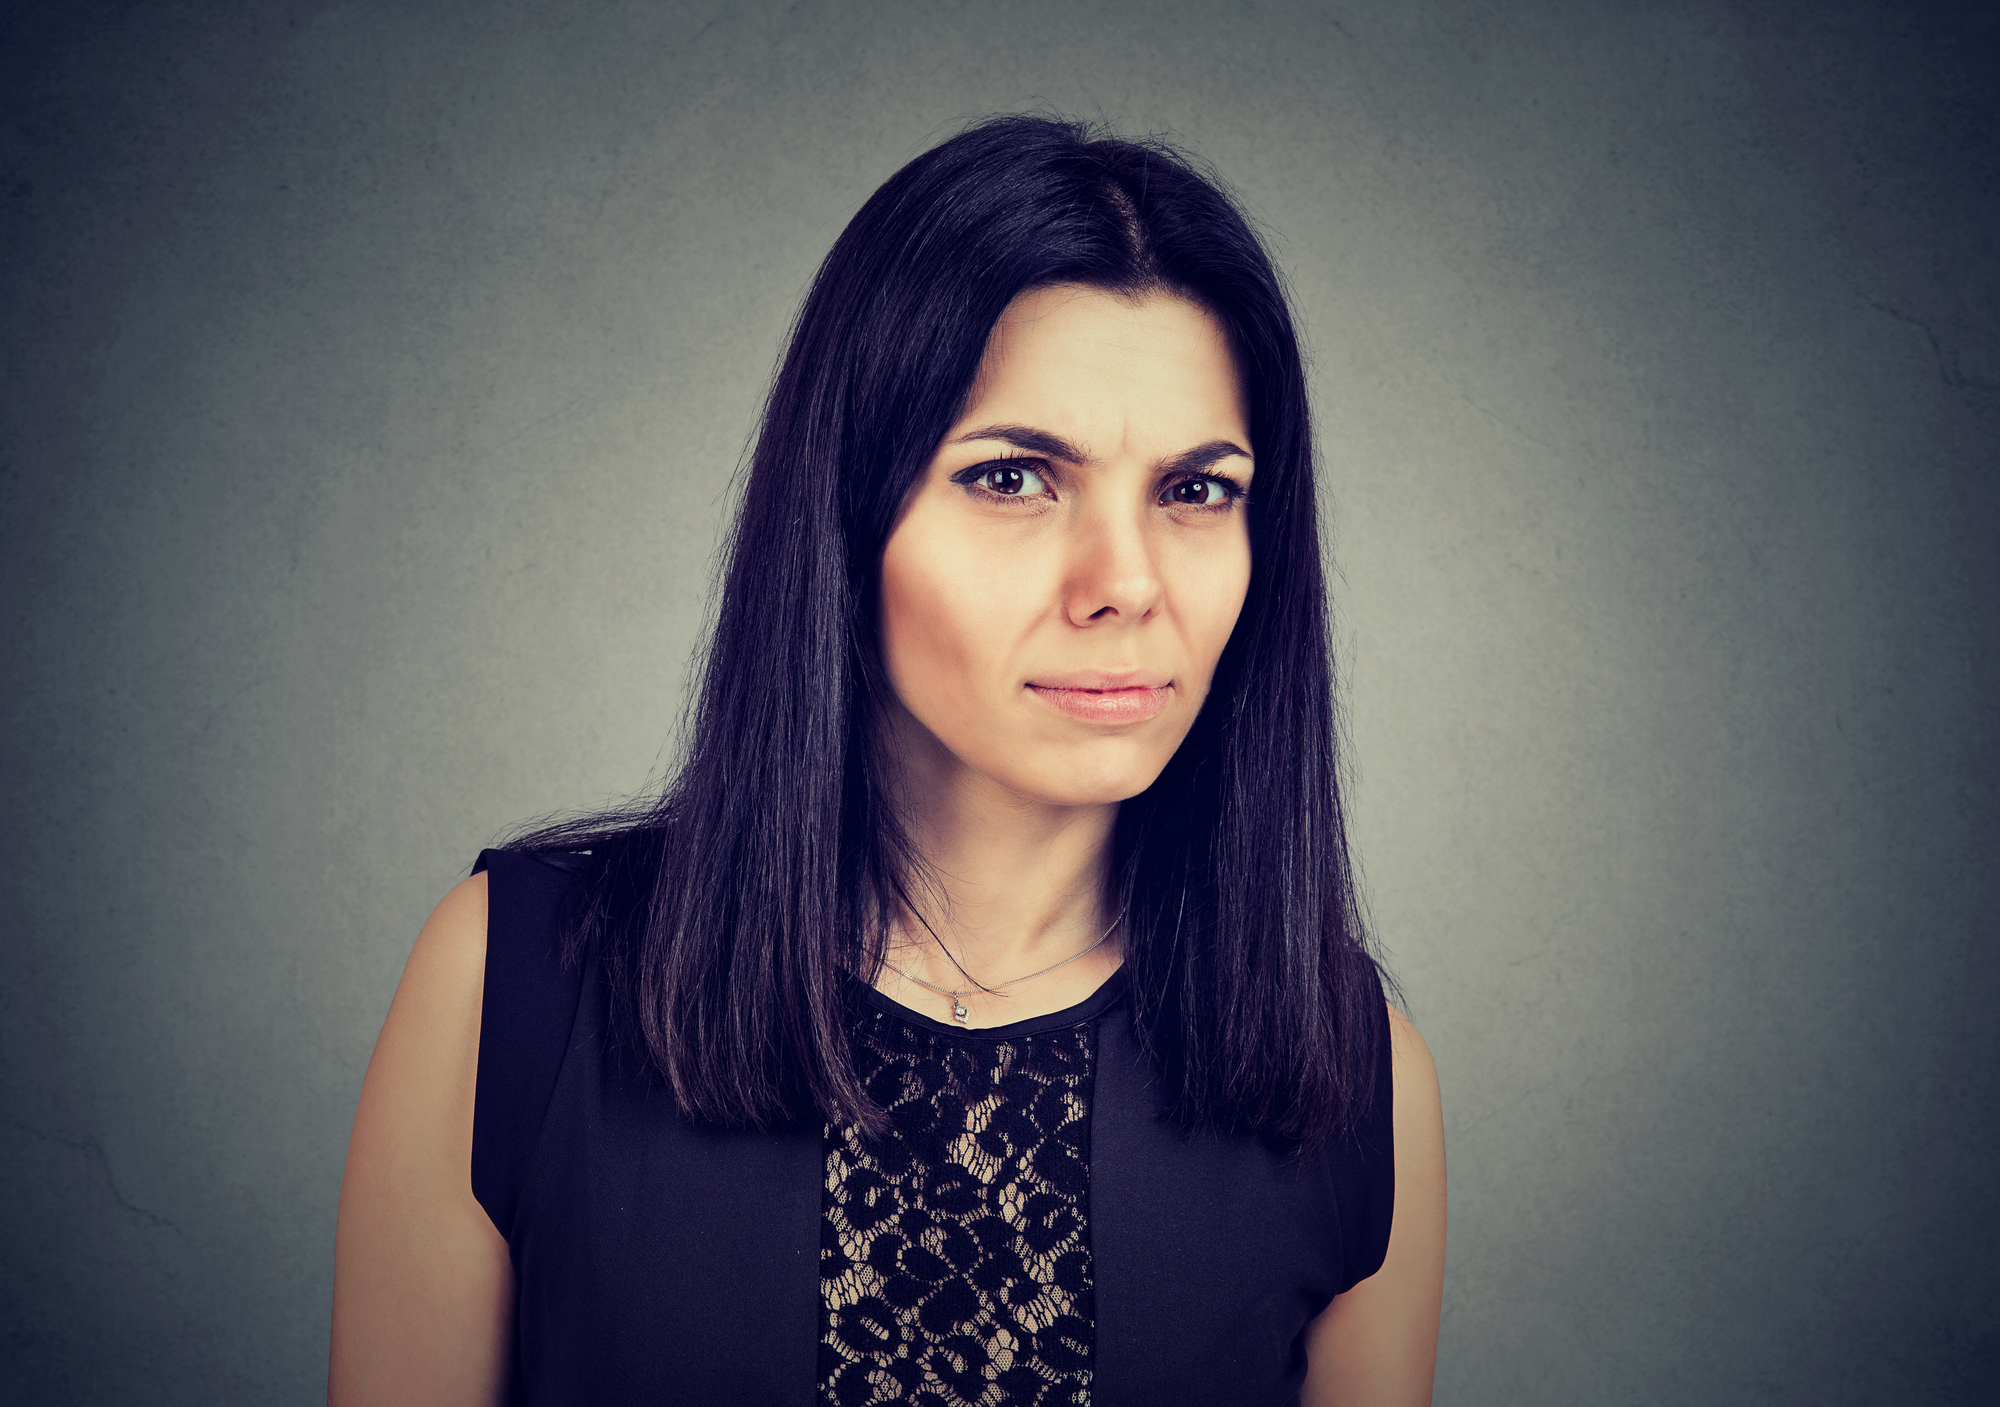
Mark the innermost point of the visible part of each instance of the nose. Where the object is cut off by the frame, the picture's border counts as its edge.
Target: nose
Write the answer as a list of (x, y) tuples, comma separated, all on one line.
[(1112, 575)]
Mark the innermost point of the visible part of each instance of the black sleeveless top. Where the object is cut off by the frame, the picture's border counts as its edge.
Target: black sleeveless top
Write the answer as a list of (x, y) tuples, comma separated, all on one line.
[(1032, 1230)]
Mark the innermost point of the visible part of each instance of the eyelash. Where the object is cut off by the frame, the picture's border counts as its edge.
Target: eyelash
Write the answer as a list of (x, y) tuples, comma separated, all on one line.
[(970, 476)]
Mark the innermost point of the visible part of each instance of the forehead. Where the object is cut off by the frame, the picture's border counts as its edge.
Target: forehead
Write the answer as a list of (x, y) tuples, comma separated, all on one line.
[(1110, 371)]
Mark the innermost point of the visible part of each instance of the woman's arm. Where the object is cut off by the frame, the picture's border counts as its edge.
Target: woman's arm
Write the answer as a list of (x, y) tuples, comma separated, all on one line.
[(423, 1291), (1376, 1345)]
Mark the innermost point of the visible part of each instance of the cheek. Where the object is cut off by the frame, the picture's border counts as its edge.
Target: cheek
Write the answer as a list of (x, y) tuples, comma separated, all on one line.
[(933, 626), (1213, 601)]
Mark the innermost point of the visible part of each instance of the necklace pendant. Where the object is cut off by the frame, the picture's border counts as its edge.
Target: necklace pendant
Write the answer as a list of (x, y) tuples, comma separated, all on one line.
[(960, 1014)]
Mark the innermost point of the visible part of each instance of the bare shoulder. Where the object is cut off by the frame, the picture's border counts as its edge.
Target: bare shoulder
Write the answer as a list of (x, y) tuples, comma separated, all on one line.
[(1376, 1345), (427, 1057), (453, 938), (1418, 1121), (421, 1277), (1410, 1058), (433, 1025)]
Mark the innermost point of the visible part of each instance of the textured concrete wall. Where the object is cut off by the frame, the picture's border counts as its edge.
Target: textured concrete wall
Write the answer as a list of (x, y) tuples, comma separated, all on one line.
[(373, 374)]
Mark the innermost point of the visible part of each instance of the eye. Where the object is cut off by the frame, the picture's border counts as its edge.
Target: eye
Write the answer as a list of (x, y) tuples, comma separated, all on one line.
[(1201, 492), (1006, 478)]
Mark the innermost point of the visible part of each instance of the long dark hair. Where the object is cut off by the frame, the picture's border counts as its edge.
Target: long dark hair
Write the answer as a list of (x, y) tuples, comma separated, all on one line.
[(733, 911)]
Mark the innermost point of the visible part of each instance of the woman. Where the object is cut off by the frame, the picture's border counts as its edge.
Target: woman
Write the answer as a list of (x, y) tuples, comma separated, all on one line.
[(982, 1015)]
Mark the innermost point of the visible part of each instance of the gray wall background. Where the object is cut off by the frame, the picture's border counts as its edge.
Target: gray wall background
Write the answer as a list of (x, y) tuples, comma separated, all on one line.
[(373, 377)]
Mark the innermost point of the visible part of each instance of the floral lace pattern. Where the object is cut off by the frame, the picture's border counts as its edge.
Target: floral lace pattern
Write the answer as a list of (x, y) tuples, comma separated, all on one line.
[(955, 1251)]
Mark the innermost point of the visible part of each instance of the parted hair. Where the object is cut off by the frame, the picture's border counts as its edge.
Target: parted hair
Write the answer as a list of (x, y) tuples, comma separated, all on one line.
[(735, 909)]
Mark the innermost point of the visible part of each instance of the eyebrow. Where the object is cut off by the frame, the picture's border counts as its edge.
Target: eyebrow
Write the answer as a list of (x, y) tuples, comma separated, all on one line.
[(1193, 461), (1027, 437)]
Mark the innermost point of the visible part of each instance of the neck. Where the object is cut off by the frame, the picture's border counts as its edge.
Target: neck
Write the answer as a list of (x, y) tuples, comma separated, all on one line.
[(1008, 883)]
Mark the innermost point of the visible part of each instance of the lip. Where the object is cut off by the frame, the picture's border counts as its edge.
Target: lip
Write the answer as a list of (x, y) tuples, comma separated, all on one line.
[(1104, 696), (1101, 680)]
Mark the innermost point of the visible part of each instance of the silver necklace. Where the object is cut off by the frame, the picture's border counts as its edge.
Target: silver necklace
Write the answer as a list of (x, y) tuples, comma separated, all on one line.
[(959, 1012)]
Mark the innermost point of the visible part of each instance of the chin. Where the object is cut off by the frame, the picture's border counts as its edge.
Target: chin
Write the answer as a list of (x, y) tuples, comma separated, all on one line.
[(1072, 781)]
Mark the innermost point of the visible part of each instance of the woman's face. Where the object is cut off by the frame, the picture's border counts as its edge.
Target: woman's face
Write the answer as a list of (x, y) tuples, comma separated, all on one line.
[(1069, 565)]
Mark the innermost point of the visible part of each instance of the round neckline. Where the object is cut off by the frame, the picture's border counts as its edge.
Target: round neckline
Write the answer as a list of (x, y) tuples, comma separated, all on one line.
[(1108, 992)]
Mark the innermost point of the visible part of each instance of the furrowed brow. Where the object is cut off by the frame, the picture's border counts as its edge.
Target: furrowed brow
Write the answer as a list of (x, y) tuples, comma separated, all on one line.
[(1030, 439)]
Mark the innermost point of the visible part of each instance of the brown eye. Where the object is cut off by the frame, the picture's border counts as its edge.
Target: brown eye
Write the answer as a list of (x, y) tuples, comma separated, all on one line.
[(1199, 493), (1011, 480)]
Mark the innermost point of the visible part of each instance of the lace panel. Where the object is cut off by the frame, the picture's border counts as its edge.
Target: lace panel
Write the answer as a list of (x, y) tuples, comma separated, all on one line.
[(955, 1252)]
